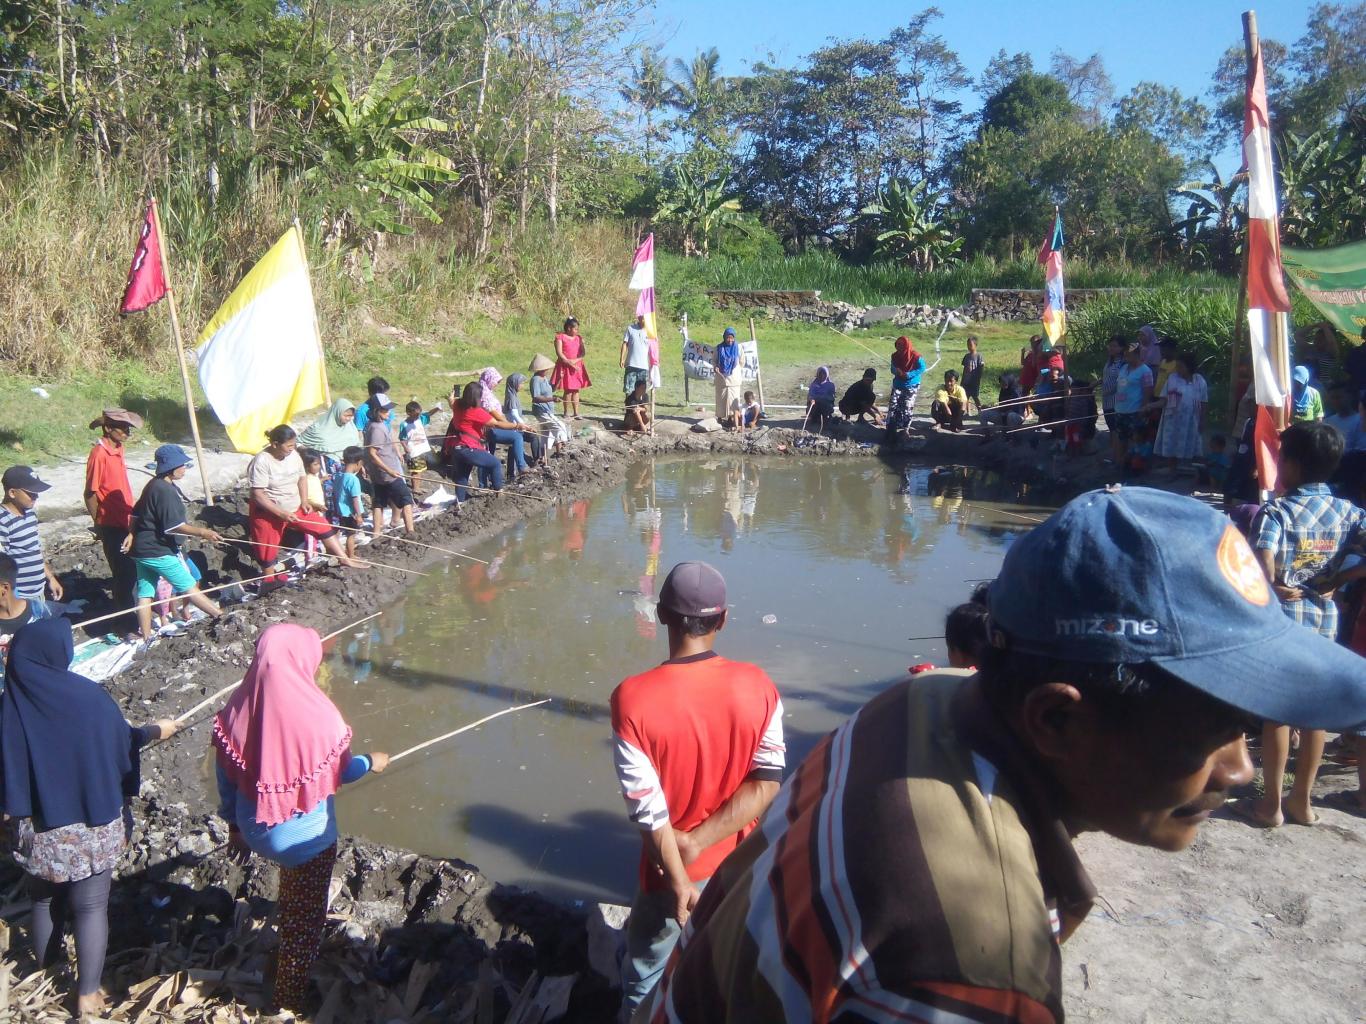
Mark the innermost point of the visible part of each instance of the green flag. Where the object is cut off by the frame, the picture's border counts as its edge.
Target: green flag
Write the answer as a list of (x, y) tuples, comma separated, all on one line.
[(1334, 280)]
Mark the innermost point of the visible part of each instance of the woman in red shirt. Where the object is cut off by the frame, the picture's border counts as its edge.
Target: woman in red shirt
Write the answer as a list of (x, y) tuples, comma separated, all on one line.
[(464, 445)]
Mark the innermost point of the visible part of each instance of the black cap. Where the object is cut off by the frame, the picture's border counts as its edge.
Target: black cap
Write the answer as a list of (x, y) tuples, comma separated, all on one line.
[(693, 588), (24, 479)]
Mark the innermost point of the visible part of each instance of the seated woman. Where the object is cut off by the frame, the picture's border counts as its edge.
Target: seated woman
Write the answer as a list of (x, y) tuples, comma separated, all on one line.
[(279, 504), (820, 398), (950, 402), (489, 379), (1009, 408), (465, 448), (861, 400), (512, 409), (553, 429)]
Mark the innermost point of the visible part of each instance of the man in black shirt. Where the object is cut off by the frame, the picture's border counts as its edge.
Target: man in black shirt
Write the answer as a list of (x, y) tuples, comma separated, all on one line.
[(16, 611), (861, 400)]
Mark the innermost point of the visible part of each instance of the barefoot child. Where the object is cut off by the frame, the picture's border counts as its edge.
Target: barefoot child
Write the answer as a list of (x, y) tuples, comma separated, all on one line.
[(350, 498), (752, 413), (1301, 539)]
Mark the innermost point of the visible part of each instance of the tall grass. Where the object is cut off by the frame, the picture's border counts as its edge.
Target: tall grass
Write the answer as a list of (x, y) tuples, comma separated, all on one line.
[(882, 283), (1200, 322), (66, 238)]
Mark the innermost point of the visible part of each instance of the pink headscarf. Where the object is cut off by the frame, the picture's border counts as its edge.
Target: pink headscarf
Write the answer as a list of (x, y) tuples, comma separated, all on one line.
[(280, 740), (488, 398)]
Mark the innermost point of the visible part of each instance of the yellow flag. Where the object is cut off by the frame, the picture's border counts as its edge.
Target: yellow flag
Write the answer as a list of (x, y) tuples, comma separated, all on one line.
[(259, 360)]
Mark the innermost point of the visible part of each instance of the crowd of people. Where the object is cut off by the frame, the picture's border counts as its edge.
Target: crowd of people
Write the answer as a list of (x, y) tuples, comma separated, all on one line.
[(1117, 699)]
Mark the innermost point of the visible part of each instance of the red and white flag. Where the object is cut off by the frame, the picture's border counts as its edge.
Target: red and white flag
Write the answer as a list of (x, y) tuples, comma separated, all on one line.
[(1268, 302), (146, 282)]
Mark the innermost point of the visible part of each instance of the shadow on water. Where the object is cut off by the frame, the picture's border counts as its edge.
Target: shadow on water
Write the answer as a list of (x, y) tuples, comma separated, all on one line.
[(587, 850)]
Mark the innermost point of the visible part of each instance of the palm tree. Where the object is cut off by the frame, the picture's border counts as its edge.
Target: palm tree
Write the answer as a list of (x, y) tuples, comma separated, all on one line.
[(910, 230), (649, 90), (696, 86), (702, 206)]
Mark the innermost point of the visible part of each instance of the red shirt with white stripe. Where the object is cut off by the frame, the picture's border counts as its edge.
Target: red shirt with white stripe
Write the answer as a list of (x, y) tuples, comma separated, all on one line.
[(688, 733)]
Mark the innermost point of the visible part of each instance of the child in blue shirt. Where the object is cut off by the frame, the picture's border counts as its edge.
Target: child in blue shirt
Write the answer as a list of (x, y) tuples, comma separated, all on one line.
[(349, 497)]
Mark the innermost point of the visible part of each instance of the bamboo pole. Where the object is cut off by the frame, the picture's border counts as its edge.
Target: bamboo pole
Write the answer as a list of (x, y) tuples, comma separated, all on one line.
[(277, 547), (465, 728), (313, 305), (408, 540), (758, 366), (205, 590), (686, 399), (180, 355), (227, 689), (1251, 44)]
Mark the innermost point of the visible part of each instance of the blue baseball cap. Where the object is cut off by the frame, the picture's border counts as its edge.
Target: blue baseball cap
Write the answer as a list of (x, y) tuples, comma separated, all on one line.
[(169, 458), (1134, 574)]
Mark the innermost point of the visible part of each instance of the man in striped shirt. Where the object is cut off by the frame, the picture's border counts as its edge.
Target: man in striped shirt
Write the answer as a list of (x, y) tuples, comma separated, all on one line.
[(699, 755), (19, 533), (919, 866)]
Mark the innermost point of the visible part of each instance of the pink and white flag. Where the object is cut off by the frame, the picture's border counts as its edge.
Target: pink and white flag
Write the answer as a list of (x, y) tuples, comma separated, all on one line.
[(643, 281)]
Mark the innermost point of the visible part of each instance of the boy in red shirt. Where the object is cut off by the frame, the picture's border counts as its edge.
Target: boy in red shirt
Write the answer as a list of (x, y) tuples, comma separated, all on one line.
[(109, 500), (699, 756)]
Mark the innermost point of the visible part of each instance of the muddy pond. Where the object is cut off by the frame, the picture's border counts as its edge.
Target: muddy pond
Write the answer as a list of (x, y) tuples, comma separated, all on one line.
[(831, 566)]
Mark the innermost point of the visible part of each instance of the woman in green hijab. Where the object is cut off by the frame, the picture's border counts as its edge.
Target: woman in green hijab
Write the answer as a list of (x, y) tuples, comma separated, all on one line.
[(332, 432)]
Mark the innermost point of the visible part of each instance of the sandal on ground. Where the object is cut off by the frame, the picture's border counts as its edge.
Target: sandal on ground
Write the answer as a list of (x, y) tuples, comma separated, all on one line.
[(1345, 800)]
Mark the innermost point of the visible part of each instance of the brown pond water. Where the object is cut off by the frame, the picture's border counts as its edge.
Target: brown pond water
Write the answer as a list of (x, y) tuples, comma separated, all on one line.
[(848, 558)]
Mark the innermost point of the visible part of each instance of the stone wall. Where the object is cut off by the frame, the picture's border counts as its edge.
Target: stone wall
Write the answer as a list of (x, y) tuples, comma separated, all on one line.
[(1026, 303)]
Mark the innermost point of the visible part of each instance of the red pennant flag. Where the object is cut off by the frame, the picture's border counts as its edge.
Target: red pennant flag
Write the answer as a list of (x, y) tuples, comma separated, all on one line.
[(146, 282)]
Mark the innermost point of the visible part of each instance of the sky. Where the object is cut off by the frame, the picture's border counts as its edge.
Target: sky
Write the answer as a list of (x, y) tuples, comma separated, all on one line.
[(1175, 42)]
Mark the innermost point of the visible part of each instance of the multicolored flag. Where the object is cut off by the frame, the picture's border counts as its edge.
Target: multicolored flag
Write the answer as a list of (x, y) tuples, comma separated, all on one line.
[(643, 281), (146, 281), (1268, 302), (1054, 301), (259, 357)]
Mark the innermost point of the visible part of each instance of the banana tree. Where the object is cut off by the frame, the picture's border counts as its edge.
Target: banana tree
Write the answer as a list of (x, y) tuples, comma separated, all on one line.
[(910, 228), (701, 206), (1214, 217), (372, 164), (1323, 185)]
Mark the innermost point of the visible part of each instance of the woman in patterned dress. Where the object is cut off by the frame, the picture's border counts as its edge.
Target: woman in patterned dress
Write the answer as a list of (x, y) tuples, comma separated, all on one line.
[(70, 767)]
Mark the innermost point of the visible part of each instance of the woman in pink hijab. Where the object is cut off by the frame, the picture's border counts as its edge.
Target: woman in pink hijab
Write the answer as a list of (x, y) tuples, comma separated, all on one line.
[(283, 752)]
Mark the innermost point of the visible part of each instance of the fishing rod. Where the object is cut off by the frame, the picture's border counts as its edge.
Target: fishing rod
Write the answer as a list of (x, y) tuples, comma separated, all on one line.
[(408, 540), (490, 490), (367, 561), (465, 728), (206, 590), (1051, 423), (214, 696), (1004, 512)]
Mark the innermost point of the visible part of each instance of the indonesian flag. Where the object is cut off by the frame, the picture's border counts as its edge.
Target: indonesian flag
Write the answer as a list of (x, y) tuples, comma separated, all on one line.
[(1268, 303), (1054, 302), (643, 281), (146, 283)]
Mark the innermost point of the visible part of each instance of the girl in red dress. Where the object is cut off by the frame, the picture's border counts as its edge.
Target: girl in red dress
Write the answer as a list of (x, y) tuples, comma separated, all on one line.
[(571, 372)]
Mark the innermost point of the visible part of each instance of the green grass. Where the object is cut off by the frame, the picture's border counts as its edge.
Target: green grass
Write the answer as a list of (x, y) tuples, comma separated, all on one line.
[(882, 283), (40, 431)]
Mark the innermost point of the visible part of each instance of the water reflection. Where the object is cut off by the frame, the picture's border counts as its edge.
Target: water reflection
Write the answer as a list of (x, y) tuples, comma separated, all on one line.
[(829, 566)]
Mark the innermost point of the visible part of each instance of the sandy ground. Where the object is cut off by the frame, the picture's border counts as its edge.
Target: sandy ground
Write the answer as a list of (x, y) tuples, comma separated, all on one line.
[(1247, 925)]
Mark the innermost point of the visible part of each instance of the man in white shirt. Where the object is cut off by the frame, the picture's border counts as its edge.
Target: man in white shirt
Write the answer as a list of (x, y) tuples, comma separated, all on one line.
[(635, 356)]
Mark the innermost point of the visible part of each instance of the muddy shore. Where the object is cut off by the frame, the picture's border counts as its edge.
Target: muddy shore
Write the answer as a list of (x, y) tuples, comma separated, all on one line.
[(473, 942)]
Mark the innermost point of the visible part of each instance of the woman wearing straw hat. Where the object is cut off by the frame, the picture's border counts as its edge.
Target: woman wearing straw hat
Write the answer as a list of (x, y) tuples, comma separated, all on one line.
[(543, 402)]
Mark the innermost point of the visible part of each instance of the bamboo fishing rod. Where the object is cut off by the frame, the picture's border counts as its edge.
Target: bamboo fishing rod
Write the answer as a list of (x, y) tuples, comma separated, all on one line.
[(505, 490), (465, 728), (206, 590), (1051, 423), (214, 696), (408, 540), (367, 561)]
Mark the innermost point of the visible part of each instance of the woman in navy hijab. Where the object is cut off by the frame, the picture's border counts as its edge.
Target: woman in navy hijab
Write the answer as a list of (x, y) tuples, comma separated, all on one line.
[(70, 766)]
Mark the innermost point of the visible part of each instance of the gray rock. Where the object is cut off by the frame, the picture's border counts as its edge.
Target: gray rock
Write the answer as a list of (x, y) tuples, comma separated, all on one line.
[(607, 940)]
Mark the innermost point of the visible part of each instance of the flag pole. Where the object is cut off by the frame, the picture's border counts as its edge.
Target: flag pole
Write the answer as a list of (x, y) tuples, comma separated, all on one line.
[(1251, 43), (317, 331), (180, 355), (758, 367)]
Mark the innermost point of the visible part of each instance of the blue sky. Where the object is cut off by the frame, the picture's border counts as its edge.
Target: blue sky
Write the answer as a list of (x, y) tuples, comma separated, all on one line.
[(1175, 42)]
